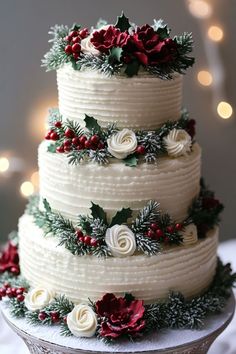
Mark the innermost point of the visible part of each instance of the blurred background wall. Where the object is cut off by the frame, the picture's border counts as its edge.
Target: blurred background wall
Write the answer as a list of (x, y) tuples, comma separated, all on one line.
[(26, 91)]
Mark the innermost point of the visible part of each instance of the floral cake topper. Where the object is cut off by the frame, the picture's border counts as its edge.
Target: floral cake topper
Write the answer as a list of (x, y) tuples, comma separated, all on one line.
[(120, 48)]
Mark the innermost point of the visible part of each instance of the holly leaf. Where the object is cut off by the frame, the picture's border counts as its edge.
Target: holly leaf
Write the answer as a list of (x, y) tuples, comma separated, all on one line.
[(132, 68), (161, 29), (46, 205), (129, 297), (75, 27), (98, 212), (115, 54), (131, 161), (121, 217), (92, 124), (122, 23)]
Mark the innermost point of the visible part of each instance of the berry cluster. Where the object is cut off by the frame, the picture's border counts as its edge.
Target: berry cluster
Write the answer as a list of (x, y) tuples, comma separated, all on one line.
[(140, 150), (163, 234), (86, 239), (52, 316), (73, 40), (11, 292), (69, 140)]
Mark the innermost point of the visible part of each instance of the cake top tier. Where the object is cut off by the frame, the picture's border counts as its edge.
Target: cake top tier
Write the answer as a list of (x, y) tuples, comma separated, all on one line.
[(122, 48)]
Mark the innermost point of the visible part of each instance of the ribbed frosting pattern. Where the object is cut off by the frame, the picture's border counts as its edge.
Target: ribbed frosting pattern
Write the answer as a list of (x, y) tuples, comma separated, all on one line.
[(188, 269), (70, 189), (141, 102)]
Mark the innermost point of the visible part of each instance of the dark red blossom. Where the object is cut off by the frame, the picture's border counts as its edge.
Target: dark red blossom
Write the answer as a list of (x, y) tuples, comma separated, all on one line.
[(9, 259), (120, 316), (108, 38), (148, 47)]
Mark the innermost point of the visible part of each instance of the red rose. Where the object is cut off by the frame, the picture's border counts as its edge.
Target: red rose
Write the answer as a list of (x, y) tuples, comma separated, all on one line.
[(105, 39), (210, 203), (147, 46), (9, 259), (120, 316)]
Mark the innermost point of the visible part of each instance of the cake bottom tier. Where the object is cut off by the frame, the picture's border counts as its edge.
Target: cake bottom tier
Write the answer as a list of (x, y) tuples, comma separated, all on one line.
[(187, 269)]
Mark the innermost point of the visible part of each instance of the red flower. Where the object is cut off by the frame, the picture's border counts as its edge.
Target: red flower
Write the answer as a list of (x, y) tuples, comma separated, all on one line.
[(105, 39), (9, 259), (147, 46), (210, 203), (120, 316)]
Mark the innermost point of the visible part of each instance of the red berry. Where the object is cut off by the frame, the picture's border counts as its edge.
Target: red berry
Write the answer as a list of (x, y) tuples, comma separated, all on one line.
[(54, 136), (79, 147), (69, 133), (76, 48), (67, 142), (20, 291), (94, 139), (6, 285), (87, 240), (159, 233), (68, 49), (87, 144), (79, 233), (15, 270), (58, 124), (68, 38), (154, 226), (81, 239), (170, 229), (13, 290), (93, 242), (20, 298), (41, 316), (140, 150), (55, 316), (9, 293), (178, 226), (65, 319), (83, 33), (67, 148), (47, 136), (73, 33), (2, 292), (82, 139), (76, 56), (76, 40), (101, 146), (151, 233), (75, 141), (60, 149)]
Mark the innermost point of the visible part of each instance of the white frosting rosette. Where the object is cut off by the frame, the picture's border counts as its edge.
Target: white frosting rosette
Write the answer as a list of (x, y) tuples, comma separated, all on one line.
[(38, 298), (82, 321), (189, 235), (178, 142), (87, 46), (120, 240), (122, 144)]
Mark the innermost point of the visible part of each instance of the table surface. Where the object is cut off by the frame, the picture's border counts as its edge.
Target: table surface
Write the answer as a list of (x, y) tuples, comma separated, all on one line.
[(12, 344)]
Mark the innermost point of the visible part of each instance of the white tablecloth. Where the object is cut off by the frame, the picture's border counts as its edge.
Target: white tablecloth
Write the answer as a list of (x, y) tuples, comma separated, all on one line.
[(10, 343)]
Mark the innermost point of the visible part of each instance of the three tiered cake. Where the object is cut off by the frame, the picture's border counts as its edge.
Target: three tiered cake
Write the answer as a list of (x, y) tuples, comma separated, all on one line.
[(124, 229)]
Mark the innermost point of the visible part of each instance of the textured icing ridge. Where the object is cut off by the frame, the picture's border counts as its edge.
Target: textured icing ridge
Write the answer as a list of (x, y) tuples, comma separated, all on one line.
[(148, 278), (174, 183), (140, 102)]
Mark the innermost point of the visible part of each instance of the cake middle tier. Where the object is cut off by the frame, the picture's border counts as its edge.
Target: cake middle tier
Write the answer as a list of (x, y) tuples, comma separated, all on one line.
[(70, 189), (141, 102)]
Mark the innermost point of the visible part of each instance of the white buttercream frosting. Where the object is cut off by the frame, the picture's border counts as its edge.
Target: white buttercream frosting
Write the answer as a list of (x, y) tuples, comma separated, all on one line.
[(87, 46), (120, 240), (69, 189), (82, 321), (178, 142), (38, 298), (122, 143), (190, 235), (143, 101), (189, 270)]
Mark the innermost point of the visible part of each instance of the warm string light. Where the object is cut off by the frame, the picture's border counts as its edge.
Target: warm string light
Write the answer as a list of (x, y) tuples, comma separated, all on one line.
[(27, 189), (212, 33), (4, 164)]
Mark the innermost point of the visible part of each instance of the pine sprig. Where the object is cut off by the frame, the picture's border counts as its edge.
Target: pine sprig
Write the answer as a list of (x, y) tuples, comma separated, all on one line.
[(100, 63), (147, 245), (17, 308), (146, 216)]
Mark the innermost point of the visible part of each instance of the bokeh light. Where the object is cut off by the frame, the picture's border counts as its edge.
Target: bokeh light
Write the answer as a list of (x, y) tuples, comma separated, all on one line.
[(225, 110), (4, 164), (200, 8), (204, 78), (215, 33), (27, 189)]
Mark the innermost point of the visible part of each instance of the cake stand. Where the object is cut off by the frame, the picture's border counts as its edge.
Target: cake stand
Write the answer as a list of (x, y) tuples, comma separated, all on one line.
[(47, 340)]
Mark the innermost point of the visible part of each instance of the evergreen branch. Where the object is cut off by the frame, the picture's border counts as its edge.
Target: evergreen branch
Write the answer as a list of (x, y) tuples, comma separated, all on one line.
[(99, 63), (147, 245), (146, 216)]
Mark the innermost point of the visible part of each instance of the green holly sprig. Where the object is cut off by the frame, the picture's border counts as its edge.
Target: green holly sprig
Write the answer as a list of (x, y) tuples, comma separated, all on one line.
[(90, 144)]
